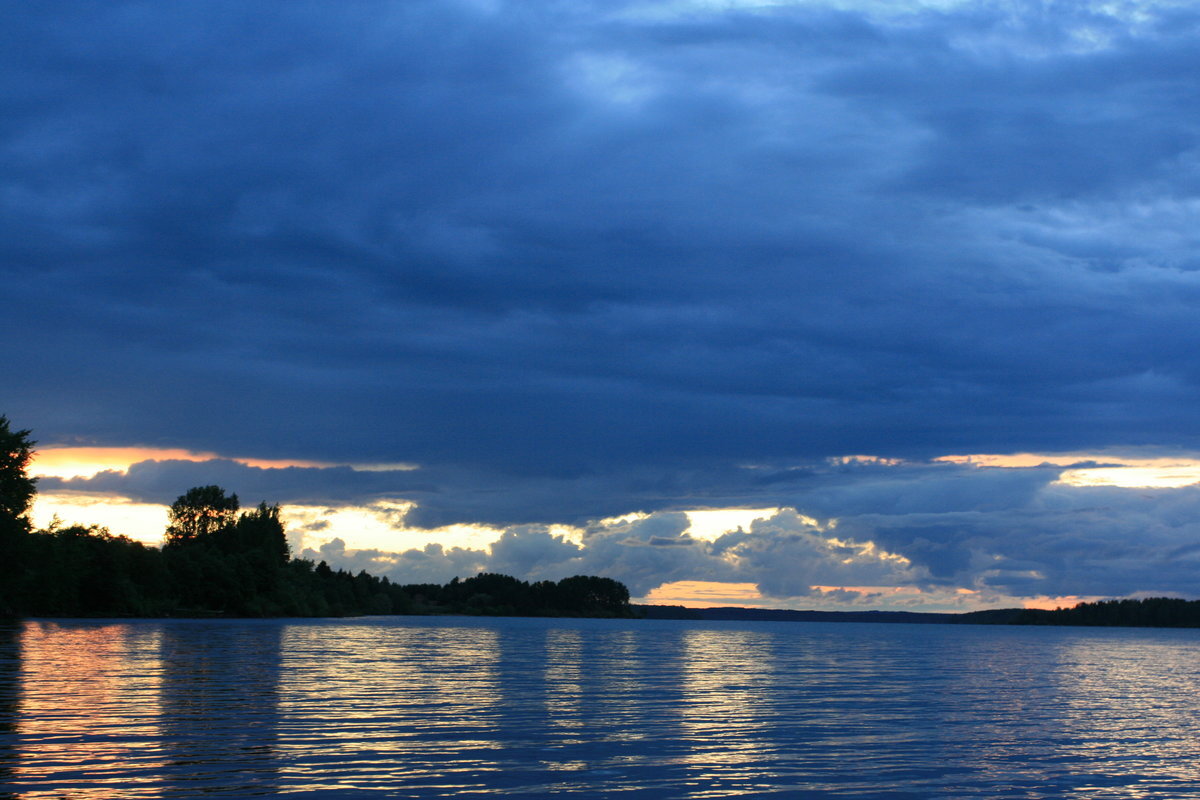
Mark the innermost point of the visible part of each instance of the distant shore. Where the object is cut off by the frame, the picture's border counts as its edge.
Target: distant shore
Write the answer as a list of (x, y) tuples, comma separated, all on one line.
[(1149, 612), (1003, 616)]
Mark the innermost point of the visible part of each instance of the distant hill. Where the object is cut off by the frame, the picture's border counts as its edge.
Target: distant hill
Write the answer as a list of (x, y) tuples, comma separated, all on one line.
[(1003, 616), (1149, 612)]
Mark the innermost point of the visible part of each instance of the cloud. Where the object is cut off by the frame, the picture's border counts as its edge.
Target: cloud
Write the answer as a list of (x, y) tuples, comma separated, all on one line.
[(1015, 532), (363, 237), (430, 564), (1051, 540), (578, 261), (163, 481), (785, 556)]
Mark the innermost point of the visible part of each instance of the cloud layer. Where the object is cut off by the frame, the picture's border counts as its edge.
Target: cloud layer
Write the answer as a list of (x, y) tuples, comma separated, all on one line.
[(930, 529), (576, 260)]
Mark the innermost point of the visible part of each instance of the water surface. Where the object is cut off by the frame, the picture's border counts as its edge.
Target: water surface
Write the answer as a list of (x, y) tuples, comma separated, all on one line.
[(431, 707)]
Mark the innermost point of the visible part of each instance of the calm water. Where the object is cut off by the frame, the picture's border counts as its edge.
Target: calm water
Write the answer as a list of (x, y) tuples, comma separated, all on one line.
[(428, 707)]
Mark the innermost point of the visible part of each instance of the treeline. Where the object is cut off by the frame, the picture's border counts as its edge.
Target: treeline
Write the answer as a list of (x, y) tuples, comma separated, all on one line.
[(217, 560), (491, 593), (78, 571), (89, 572), (1150, 612)]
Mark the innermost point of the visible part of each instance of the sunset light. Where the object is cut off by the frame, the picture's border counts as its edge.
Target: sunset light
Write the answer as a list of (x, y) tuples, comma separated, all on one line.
[(708, 524), (705, 594), (141, 521), (75, 462), (1131, 472)]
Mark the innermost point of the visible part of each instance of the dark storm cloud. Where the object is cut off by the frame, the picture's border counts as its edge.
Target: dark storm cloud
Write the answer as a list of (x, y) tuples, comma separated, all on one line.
[(448, 496), (580, 259)]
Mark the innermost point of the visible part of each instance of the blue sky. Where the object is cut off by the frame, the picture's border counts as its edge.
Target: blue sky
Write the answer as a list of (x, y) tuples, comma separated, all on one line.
[(582, 267)]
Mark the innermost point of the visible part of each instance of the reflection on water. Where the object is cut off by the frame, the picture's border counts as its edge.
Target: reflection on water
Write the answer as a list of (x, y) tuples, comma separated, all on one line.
[(88, 711), (1134, 715), (737, 699), (432, 707), (10, 675), (387, 706), (218, 714)]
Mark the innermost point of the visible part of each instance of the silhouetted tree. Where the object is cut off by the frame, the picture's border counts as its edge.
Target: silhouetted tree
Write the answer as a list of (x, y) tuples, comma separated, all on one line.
[(260, 531), (492, 593), (1149, 612), (591, 595), (16, 487), (16, 495), (199, 513), (216, 562)]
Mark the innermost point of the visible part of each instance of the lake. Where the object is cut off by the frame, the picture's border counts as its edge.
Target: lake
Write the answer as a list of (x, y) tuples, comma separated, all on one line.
[(472, 707)]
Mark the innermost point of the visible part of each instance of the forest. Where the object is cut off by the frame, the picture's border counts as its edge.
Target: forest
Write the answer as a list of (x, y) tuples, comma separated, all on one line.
[(1148, 612), (218, 560)]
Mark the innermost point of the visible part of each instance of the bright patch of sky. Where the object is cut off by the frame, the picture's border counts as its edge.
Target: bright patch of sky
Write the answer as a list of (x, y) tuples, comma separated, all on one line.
[(706, 594), (1130, 472), (83, 462), (1132, 12), (144, 522), (708, 524), (379, 526)]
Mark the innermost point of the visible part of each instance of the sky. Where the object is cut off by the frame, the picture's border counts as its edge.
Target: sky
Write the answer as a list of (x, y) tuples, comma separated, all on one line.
[(797, 303)]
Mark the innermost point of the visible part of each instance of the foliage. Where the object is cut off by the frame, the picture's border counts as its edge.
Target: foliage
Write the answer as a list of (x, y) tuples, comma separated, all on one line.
[(16, 495), (215, 562), (261, 531), (215, 565), (1149, 612), (502, 595), (199, 513), (79, 570), (16, 487)]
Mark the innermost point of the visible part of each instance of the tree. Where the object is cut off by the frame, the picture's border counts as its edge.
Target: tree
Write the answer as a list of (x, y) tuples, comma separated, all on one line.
[(588, 594), (16, 487), (200, 513), (16, 495), (261, 531)]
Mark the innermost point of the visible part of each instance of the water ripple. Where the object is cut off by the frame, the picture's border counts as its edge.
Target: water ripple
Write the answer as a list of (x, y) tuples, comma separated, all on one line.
[(430, 707)]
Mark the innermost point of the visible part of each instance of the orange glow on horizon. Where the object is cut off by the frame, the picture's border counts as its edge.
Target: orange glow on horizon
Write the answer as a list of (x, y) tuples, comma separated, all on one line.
[(1046, 603), (1019, 460), (705, 594), (82, 462), (714, 594), (142, 521)]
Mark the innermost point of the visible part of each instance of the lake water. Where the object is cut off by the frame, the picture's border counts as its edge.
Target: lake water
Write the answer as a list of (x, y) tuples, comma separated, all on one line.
[(440, 707)]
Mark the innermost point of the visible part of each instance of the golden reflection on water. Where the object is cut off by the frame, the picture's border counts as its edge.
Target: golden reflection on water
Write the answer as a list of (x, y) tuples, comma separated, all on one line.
[(564, 679), (379, 702), (411, 707), (726, 708), (725, 673), (88, 699)]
